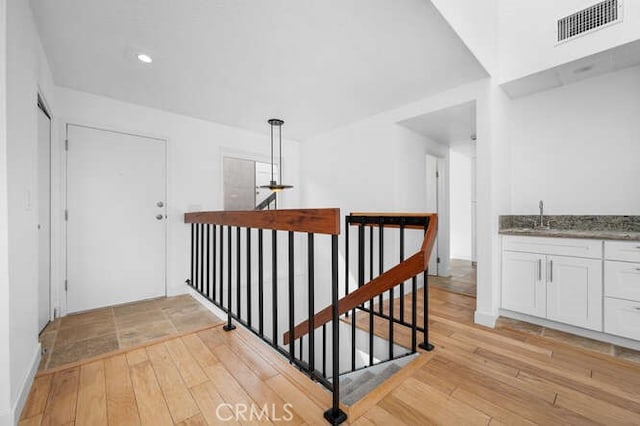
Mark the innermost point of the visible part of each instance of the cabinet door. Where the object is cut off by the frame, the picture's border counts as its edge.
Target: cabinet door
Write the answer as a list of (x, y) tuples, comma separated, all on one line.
[(523, 287), (574, 291)]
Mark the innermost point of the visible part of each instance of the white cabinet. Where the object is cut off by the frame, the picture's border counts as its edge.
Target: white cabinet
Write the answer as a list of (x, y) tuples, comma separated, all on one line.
[(574, 291), (556, 279), (525, 290), (622, 289), (622, 318)]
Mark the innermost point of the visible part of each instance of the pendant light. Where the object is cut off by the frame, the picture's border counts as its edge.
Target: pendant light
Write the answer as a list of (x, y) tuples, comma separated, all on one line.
[(273, 185)]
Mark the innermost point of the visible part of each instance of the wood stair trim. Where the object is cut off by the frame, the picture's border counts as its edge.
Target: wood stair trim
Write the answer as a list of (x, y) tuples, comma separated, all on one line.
[(400, 273), (318, 221)]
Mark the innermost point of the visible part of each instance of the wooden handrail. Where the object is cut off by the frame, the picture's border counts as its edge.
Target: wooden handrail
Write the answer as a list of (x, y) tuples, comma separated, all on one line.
[(389, 279), (317, 221)]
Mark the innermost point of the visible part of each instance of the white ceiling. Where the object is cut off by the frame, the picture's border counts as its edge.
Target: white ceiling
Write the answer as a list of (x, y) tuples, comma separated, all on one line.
[(614, 59), (317, 64), (451, 126)]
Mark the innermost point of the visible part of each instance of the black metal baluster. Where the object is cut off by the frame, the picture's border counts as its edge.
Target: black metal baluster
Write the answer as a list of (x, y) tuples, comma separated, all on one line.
[(238, 276), (425, 308), (324, 350), (380, 259), (260, 283), (213, 274), (361, 273), (229, 326), (335, 415), (300, 346), (201, 287), (249, 277), (208, 282), (391, 307), (196, 283), (371, 255), (193, 260), (414, 318), (402, 224), (222, 266), (292, 346), (274, 285), (311, 304)]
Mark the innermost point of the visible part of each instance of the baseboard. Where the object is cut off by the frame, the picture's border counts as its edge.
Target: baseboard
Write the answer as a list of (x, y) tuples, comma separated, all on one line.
[(207, 304), (591, 334), (486, 319), (177, 291), (26, 387)]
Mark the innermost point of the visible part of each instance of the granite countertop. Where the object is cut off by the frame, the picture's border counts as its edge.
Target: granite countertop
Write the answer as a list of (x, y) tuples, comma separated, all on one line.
[(572, 233), (625, 228)]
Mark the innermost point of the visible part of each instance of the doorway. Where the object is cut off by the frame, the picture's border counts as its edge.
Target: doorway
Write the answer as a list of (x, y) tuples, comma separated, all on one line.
[(432, 177), (243, 184), (451, 133), (44, 214), (115, 217)]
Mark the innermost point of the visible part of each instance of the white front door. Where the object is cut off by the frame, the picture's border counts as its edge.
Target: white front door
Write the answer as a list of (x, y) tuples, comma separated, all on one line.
[(44, 218), (116, 204)]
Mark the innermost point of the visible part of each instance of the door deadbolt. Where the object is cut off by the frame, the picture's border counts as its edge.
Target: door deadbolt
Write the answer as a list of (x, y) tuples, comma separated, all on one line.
[(160, 204)]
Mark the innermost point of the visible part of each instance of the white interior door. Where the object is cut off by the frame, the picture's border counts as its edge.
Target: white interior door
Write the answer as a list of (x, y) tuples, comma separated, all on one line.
[(116, 234), (44, 218), (432, 204)]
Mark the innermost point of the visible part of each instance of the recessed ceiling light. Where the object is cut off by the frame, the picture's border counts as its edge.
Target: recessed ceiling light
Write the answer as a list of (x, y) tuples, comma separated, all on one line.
[(144, 58)]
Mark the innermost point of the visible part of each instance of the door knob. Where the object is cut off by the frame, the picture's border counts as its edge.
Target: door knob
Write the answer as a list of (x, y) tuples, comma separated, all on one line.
[(160, 204), (159, 216)]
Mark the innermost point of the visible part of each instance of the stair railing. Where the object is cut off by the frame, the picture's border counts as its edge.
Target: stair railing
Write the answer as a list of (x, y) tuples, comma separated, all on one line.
[(363, 297), (229, 255), (235, 265)]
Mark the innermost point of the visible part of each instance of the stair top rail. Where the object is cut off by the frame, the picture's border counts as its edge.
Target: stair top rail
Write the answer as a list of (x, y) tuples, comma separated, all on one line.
[(318, 221), (410, 267)]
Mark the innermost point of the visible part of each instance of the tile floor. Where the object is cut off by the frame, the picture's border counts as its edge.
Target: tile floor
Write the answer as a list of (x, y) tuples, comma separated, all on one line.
[(560, 336), (97, 332), (462, 279)]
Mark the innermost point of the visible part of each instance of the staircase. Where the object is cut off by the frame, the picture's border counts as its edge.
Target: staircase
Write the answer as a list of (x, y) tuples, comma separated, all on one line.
[(356, 385), (262, 269)]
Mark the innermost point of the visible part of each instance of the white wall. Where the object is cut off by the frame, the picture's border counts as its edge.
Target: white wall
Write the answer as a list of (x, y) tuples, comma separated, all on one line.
[(5, 368), (373, 165), (460, 205), (576, 147), (27, 73), (476, 23), (195, 151), (527, 32)]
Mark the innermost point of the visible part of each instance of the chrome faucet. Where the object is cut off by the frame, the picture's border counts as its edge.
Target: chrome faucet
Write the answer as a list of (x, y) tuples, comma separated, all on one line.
[(541, 206)]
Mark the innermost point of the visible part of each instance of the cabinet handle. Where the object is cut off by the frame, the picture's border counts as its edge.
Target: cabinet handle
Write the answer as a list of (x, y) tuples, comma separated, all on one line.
[(551, 271), (539, 269)]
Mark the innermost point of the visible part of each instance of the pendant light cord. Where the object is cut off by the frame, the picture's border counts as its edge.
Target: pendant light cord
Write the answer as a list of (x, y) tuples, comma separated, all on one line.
[(271, 152), (280, 163)]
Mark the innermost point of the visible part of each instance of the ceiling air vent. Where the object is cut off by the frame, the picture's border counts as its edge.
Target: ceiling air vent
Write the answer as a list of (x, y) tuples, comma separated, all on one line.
[(590, 19)]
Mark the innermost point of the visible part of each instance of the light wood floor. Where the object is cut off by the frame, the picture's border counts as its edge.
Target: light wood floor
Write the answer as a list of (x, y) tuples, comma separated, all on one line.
[(462, 278), (474, 376), (478, 375)]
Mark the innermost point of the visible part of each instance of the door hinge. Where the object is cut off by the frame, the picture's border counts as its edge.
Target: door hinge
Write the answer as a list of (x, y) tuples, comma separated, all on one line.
[(66, 285), (66, 214), (438, 260), (437, 174), (66, 144)]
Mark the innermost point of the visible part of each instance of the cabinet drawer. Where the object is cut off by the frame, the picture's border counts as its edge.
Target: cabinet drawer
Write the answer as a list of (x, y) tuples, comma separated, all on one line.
[(554, 246), (622, 280), (627, 251), (622, 318)]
